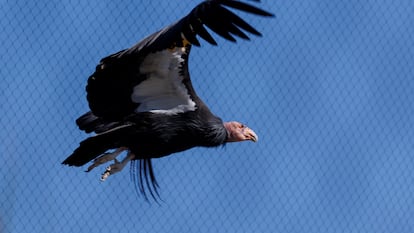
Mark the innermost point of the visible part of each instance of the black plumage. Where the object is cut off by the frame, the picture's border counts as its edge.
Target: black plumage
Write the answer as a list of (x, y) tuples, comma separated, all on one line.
[(142, 99)]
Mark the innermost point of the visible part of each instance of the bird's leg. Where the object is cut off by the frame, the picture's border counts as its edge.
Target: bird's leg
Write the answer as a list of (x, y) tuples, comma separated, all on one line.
[(106, 157), (117, 166)]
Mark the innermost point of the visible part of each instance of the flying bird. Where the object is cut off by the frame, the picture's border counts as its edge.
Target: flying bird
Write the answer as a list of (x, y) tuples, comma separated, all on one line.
[(142, 101)]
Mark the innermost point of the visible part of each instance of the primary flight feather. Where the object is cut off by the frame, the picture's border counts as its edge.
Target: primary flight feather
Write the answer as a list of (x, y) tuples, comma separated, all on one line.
[(142, 100)]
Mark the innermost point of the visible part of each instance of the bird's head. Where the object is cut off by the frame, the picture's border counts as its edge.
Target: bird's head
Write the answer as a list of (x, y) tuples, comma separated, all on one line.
[(237, 132)]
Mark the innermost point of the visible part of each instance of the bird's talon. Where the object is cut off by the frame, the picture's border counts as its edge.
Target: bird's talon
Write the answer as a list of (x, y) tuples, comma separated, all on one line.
[(91, 167), (106, 174)]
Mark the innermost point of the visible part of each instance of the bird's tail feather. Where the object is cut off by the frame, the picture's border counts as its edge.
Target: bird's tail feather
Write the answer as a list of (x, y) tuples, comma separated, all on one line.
[(92, 147), (88, 122)]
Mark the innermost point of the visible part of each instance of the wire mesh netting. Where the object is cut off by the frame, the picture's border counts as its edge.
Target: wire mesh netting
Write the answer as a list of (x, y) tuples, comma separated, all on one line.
[(329, 88)]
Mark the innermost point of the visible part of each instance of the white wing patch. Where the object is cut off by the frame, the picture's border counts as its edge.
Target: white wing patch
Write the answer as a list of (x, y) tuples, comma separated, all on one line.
[(163, 91)]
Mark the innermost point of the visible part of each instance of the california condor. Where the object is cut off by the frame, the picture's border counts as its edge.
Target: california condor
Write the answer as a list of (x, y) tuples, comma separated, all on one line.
[(142, 100)]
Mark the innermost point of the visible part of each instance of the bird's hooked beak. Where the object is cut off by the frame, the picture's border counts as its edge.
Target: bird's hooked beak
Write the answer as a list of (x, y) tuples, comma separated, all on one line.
[(250, 134), (238, 132)]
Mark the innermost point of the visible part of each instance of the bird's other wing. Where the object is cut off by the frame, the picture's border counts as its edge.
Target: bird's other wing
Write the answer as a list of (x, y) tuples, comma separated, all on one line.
[(152, 76)]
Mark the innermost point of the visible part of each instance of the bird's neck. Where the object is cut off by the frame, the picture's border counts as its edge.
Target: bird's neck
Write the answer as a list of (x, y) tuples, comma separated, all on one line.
[(214, 133)]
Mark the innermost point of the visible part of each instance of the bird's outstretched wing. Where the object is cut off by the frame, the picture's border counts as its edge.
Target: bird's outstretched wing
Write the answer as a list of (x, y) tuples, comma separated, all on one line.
[(212, 14), (152, 76)]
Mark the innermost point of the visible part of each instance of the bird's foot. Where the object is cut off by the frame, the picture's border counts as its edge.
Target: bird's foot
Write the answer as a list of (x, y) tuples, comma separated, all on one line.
[(117, 166), (106, 158)]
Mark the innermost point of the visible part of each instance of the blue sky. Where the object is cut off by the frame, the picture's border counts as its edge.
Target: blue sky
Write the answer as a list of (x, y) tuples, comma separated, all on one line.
[(329, 89)]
